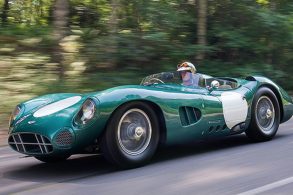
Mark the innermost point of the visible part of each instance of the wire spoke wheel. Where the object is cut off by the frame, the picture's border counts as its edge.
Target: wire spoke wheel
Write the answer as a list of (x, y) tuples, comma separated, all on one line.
[(134, 132), (132, 135), (265, 113), (265, 116)]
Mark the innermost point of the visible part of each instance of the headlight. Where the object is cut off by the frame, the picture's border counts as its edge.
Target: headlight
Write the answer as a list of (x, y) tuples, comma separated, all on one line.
[(14, 114), (86, 113)]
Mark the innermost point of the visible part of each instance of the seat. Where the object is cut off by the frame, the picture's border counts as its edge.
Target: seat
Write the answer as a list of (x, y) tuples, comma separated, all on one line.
[(225, 87), (201, 81)]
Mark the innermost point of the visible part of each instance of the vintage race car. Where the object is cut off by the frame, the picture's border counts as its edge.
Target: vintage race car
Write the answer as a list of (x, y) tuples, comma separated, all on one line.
[(128, 123)]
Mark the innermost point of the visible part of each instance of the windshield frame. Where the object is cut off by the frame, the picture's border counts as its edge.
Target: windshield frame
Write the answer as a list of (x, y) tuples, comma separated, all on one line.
[(175, 78), (162, 78)]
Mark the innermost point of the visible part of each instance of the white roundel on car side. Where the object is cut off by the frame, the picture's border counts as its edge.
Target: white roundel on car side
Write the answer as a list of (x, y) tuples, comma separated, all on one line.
[(57, 106), (235, 108)]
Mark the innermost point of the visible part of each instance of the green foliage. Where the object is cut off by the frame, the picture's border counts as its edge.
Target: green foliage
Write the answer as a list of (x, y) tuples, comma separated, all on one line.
[(116, 42), (29, 12)]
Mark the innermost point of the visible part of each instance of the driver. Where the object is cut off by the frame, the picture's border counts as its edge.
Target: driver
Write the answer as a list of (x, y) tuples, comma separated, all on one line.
[(188, 74)]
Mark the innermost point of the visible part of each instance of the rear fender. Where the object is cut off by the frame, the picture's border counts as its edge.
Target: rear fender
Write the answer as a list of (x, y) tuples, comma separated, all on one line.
[(285, 101)]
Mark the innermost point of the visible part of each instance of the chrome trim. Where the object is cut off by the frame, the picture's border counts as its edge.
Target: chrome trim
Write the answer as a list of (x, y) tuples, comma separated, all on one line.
[(44, 145), (19, 137), (29, 143), (35, 143), (15, 142), (39, 143)]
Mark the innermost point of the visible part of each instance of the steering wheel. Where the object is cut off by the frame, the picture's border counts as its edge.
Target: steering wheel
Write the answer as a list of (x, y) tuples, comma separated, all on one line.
[(155, 81)]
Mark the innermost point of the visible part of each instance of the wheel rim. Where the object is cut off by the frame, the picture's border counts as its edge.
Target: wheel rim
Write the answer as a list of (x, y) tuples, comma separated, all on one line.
[(134, 131), (265, 114)]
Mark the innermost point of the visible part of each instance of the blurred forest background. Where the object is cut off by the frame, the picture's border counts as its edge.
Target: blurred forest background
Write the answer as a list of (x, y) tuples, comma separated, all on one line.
[(49, 46)]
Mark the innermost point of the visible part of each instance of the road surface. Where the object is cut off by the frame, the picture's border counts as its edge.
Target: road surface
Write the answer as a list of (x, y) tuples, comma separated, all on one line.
[(231, 165)]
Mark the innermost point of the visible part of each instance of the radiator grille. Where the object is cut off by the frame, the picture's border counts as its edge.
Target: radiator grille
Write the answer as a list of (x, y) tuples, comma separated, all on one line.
[(64, 138), (189, 115), (30, 143)]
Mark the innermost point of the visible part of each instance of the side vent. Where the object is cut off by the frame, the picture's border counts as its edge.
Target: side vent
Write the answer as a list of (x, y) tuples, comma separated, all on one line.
[(189, 115), (215, 129)]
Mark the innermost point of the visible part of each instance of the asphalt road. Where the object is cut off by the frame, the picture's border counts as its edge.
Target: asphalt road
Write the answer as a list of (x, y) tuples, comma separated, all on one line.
[(231, 165)]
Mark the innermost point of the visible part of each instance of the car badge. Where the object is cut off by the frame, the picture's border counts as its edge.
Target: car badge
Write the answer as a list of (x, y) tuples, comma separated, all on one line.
[(31, 122)]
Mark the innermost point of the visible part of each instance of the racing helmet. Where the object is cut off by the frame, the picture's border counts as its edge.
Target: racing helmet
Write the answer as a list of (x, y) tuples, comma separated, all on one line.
[(186, 66)]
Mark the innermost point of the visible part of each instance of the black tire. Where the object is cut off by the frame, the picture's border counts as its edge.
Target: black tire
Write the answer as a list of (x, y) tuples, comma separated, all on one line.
[(265, 116), (52, 159), (113, 145)]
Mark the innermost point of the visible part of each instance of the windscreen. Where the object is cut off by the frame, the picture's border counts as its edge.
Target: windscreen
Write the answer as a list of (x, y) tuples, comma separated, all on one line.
[(189, 80), (161, 78)]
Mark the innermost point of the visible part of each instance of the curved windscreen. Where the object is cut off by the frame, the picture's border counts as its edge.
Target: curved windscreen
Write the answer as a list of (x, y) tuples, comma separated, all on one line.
[(190, 80), (161, 78), (224, 83)]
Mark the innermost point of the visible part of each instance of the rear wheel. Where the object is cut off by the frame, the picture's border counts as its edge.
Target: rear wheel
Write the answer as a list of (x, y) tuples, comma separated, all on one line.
[(131, 136), (265, 116)]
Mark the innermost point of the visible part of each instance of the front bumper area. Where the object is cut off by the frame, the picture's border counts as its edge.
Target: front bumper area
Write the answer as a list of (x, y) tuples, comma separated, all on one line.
[(30, 143), (36, 143)]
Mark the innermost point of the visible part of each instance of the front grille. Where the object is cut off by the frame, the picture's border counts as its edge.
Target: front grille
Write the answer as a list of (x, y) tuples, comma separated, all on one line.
[(64, 138), (30, 143)]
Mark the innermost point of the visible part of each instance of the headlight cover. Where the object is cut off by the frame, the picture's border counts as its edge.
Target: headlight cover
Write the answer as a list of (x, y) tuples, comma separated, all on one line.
[(86, 113), (16, 112)]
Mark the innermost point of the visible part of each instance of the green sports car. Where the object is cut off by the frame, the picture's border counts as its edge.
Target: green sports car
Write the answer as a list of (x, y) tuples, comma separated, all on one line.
[(128, 123)]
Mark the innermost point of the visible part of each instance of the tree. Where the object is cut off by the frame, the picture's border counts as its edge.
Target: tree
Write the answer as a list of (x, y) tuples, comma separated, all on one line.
[(5, 12), (60, 29), (113, 28), (202, 27)]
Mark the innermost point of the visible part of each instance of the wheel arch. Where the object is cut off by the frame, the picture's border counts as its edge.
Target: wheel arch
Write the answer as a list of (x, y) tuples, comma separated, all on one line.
[(159, 113), (281, 94), (278, 95)]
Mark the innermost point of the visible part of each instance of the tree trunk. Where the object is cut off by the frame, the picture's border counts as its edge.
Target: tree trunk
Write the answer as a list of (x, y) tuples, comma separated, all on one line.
[(270, 56), (5, 12), (113, 27), (60, 29), (201, 27)]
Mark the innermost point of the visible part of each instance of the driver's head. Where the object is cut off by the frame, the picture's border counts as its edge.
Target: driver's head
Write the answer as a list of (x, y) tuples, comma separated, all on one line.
[(186, 66), (186, 69)]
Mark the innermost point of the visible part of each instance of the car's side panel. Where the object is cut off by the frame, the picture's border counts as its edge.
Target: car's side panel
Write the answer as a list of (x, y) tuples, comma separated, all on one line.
[(210, 105), (211, 122), (235, 108), (169, 101), (236, 104), (213, 115)]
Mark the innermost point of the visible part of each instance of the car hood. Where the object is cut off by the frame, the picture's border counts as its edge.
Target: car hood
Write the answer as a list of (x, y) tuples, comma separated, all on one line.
[(39, 102), (40, 109)]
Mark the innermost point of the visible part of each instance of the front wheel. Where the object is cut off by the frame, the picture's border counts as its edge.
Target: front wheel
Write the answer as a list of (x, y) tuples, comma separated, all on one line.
[(132, 135), (265, 116)]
